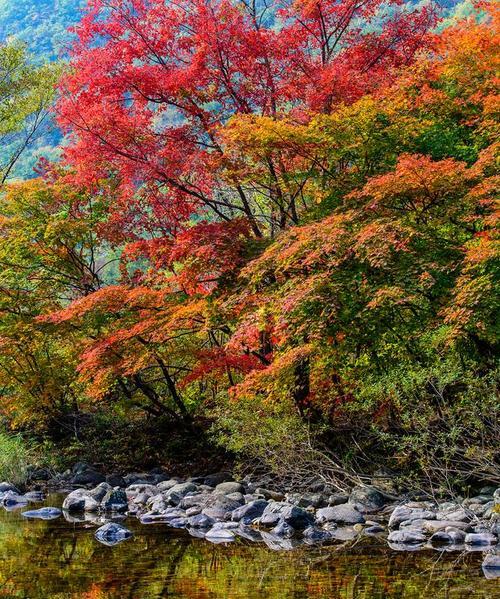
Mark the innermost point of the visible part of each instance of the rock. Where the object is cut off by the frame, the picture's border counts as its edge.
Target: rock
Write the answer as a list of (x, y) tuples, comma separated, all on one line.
[(6, 487), (88, 477), (80, 501), (246, 532), (367, 499), (220, 507), (44, 513), (212, 480), (374, 529), (432, 526), (410, 537), (337, 499), (40, 474), (313, 500), (403, 513), (166, 485), (11, 499), (175, 495), (229, 487), (239, 497), (198, 500), (115, 500), (341, 514), (136, 489), (200, 521), (455, 513), (272, 513), (34, 496), (112, 533), (99, 492), (115, 480), (268, 494), (297, 517), (491, 561), (314, 534), (480, 538), (220, 535), (247, 513), (283, 530)]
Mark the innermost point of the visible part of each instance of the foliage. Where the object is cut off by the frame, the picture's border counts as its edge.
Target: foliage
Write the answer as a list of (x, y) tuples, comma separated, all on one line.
[(26, 93), (14, 459), (306, 229)]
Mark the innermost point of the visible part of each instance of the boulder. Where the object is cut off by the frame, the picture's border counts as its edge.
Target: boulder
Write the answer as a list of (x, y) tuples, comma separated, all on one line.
[(367, 499), (5, 487), (220, 507), (229, 487), (272, 513), (112, 533), (88, 477), (449, 536), (305, 500), (80, 501), (269, 494), (115, 480), (44, 513), (115, 500), (248, 512), (12, 499), (296, 517), (200, 521), (404, 513), (337, 499), (212, 480), (99, 492), (409, 537), (341, 514)]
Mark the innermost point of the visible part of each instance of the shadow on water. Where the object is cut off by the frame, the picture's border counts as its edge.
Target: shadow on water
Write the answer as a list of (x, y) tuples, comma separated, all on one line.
[(59, 559)]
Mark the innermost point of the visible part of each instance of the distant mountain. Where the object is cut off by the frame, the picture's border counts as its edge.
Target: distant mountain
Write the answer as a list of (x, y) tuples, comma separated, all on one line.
[(41, 24)]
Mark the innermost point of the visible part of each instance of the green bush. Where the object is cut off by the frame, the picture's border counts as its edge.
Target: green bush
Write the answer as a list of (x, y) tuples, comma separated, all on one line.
[(14, 459)]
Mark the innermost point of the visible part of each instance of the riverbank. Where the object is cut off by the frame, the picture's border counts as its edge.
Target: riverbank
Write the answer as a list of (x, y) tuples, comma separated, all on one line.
[(220, 509)]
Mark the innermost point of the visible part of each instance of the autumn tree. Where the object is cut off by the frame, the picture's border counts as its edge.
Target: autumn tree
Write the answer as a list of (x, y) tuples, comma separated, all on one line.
[(151, 86)]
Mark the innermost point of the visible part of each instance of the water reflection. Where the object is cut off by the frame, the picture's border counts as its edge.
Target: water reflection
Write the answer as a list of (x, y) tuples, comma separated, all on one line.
[(41, 559)]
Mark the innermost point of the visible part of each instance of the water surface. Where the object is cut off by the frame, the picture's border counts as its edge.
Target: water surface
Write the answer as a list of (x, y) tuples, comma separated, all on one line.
[(59, 559)]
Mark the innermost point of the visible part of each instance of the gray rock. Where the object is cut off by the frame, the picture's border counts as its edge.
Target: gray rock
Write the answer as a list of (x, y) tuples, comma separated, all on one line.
[(374, 529), (88, 477), (115, 500), (112, 534), (99, 492), (432, 526), (239, 497), (80, 501), (480, 538), (409, 537), (341, 514), (220, 507), (337, 499), (305, 500), (268, 494), (12, 499), (200, 521), (367, 499), (166, 485), (198, 500), (115, 480), (297, 517), (229, 487), (44, 513), (212, 480), (403, 513), (193, 511), (455, 513), (247, 513), (5, 487), (272, 513)]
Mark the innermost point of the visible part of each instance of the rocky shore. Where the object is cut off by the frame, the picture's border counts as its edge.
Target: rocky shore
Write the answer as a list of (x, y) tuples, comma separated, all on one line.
[(219, 509)]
